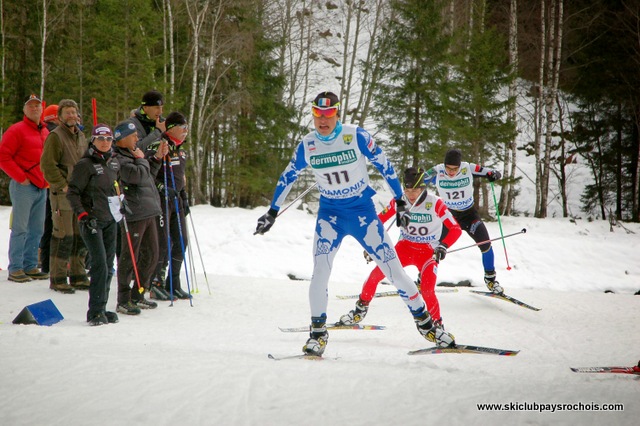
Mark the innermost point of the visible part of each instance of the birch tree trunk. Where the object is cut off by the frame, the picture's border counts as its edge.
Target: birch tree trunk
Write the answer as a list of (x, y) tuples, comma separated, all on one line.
[(538, 116), (553, 67), (45, 35), (172, 55), (372, 70), (196, 15), (352, 63), (345, 55), (510, 158)]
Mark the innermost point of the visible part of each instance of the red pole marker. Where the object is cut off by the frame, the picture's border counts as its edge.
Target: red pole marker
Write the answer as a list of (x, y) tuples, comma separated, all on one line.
[(95, 111)]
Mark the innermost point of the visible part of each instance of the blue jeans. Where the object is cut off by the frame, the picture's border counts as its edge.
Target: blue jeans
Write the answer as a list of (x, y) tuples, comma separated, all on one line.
[(27, 225)]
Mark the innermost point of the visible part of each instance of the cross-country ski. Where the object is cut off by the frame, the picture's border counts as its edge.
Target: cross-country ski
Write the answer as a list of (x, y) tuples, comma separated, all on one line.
[(394, 293), (299, 356), (506, 298), (635, 370), (335, 326), (465, 349)]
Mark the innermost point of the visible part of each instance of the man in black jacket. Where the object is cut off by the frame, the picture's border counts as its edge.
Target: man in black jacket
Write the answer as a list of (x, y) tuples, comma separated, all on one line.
[(139, 246), (170, 182), (148, 118)]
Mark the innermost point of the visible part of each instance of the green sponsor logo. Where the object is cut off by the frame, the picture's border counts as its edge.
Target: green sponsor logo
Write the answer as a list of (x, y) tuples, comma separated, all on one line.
[(334, 159), (446, 184), (421, 217)]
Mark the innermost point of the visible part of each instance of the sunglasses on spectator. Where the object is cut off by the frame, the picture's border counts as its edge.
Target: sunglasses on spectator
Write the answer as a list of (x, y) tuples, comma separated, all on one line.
[(104, 138), (329, 113)]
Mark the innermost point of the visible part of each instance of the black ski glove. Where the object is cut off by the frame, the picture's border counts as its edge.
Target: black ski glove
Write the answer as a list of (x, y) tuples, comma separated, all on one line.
[(403, 217), (90, 222), (185, 203), (439, 253), (170, 191), (494, 175), (266, 221)]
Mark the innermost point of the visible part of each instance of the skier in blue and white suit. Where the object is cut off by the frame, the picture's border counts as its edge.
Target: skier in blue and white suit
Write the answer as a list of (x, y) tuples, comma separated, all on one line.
[(337, 154)]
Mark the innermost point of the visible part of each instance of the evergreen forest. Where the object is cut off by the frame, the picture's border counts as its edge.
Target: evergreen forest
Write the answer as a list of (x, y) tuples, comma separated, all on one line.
[(556, 80)]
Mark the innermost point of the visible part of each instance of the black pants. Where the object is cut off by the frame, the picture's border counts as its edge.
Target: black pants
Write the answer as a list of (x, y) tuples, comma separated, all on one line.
[(470, 221), (143, 235), (101, 244), (178, 235)]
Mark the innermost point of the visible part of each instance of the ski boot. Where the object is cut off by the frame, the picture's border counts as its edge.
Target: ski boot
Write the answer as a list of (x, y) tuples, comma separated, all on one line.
[(318, 337), (433, 333), (493, 285), (355, 315)]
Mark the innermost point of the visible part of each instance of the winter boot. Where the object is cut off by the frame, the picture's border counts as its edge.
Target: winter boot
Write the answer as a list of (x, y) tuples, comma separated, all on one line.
[(62, 288), (112, 317), (493, 285), (181, 294), (355, 315), (98, 319), (128, 308), (36, 274), (433, 333), (141, 302), (318, 337), (157, 291), (19, 276)]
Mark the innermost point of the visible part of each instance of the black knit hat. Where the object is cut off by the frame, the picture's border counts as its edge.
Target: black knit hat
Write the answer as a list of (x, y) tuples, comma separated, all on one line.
[(152, 98), (175, 119), (453, 157), (414, 178)]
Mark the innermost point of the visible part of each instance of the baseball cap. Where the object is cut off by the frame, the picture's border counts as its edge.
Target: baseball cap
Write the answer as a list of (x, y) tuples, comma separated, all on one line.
[(32, 97)]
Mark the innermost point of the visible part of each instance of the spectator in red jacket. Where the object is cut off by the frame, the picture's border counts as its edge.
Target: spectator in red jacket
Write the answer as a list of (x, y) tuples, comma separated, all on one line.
[(20, 151)]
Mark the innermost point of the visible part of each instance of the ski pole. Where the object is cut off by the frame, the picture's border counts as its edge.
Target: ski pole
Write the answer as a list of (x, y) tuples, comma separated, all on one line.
[(282, 210), (523, 231), (195, 234), (126, 230), (192, 268), (297, 198), (166, 222), (186, 269), (504, 245)]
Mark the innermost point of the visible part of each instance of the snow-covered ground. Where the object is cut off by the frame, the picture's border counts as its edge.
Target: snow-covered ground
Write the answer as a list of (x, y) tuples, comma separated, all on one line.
[(208, 365)]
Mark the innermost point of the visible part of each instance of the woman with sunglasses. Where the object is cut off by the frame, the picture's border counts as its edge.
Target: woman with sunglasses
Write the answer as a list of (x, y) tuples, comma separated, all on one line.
[(338, 154), (93, 198)]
